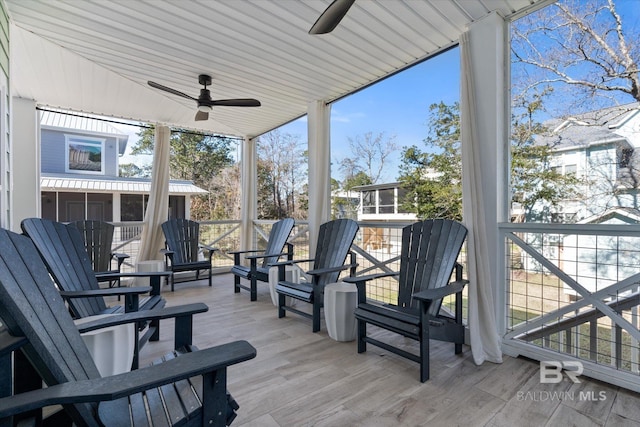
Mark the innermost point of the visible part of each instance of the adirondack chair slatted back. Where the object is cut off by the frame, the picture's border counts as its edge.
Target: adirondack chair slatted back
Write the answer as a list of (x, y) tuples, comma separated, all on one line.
[(30, 306), (66, 258), (334, 241), (98, 238), (182, 237), (277, 239), (428, 256)]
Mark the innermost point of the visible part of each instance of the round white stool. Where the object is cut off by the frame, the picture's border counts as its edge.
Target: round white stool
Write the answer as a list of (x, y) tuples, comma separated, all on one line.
[(340, 301), (147, 267), (292, 274)]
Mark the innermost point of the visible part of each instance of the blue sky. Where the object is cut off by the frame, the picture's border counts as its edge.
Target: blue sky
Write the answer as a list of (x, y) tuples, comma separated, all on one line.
[(398, 105)]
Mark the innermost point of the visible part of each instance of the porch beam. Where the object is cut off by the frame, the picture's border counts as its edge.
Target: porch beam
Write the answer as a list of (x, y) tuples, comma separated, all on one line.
[(25, 186)]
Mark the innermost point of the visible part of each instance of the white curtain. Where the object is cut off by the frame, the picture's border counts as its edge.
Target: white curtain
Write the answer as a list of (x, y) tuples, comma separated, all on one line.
[(249, 186), (485, 341), (318, 115), (152, 239)]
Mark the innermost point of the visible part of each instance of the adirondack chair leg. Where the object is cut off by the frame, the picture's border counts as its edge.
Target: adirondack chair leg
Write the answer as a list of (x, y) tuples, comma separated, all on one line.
[(362, 333), (254, 288), (253, 266), (214, 396), (281, 303), (316, 309), (210, 283), (458, 314), (424, 342), (236, 284)]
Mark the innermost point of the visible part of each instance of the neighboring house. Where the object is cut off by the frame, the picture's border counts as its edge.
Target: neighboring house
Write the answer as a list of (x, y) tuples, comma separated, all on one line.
[(602, 148), (79, 174), (381, 203)]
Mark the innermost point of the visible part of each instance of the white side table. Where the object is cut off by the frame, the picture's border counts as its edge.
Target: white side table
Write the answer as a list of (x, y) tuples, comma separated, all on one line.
[(111, 347), (340, 301), (292, 274), (147, 267)]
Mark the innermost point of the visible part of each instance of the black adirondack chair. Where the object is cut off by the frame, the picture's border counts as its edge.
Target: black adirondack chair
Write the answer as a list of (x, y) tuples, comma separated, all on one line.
[(182, 238), (98, 240), (275, 245), (334, 241), (63, 251), (52, 350), (427, 261)]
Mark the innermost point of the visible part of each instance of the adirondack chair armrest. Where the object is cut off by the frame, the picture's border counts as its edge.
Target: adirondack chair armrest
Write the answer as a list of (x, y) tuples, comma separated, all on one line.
[(168, 254), (114, 387), (154, 278), (120, 257), (137, 316), (138, 290), (207, 247), (290, 262), (439, 293), (367, 277), (266, 255), (319, 271), (245, 252)]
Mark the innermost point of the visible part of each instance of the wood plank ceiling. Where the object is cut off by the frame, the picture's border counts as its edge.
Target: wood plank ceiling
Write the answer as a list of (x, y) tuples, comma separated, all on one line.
[(97, 56)]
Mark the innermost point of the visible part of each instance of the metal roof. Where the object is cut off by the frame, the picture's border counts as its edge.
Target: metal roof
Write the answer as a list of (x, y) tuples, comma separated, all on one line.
[(120, 185), (64, 121), (97, 56)]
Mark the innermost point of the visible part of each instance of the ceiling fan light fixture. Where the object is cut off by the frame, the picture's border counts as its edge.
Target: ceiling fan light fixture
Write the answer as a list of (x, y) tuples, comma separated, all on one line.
[(205, 108)]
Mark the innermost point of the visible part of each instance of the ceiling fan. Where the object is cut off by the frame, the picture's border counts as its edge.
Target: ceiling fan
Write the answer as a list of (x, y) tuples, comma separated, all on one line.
[(204, 101), (331, 17)]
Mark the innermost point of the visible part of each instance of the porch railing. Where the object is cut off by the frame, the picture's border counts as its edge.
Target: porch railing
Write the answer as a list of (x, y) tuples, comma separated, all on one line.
[(377, 248), (572, 293)]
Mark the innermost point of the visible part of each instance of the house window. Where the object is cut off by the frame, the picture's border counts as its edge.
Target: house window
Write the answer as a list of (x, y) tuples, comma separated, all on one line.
[(625, 158), (402, 195), (133, 207), (68, 207), (84, 155), (570, 169), (369, 202), (386, 201), (49, 205)]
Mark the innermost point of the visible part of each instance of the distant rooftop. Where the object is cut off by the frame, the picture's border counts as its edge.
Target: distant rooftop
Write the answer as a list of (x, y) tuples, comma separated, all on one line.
[(591, 128), (86, 124)]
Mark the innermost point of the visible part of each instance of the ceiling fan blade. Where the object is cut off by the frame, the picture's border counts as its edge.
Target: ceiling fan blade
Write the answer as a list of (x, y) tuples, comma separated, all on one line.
[(202, 115), (241, 102), (168, 89), (331, 17)]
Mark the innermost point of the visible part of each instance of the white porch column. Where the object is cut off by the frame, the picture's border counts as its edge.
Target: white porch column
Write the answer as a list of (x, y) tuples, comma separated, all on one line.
[(25, 184), (318, 127), (485, 128), (249, 185)]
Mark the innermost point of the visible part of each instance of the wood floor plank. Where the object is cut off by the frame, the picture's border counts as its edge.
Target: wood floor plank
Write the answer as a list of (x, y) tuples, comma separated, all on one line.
[(300, 378)]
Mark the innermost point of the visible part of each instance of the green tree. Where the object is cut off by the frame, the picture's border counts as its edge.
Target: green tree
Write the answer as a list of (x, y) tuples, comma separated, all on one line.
[(433, 177), (282, 178), (131, 170), (195, 157), (534, 183)]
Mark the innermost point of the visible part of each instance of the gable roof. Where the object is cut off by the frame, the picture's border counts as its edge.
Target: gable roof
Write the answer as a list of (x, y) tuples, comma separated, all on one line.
[(589, 129), (50, 119)]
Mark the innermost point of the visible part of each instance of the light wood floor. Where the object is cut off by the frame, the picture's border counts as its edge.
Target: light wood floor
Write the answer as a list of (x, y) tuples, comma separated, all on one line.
[(304, 379)]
